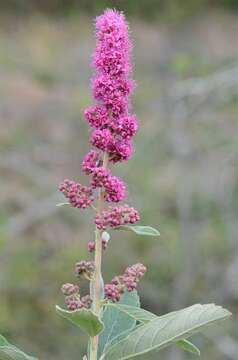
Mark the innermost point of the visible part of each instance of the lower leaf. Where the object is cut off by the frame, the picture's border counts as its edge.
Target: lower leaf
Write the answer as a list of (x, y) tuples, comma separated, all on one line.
[(166, 330), (11, 352), (87, 320), (117, 323), (144, 316)]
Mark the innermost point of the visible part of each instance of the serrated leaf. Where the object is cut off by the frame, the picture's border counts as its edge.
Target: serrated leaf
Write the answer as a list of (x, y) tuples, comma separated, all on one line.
[(140, 230), (87, 320), (144, 316), (115, 322), (11, 352), (188, 346), (166, 330)]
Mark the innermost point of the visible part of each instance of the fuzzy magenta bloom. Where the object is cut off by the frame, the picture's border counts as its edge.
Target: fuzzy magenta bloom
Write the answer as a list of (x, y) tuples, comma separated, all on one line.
[(113, 45), (126, 126), (121, 150), (113, 93), (102, 139), (100, 177), (97, 116), (78, 195), (117, 216), (91, 161), (115, 189)]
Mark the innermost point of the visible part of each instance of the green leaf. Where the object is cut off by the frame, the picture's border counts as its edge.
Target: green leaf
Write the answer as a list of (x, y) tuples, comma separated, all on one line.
[(188, 346), (165, 330), (3, 341), (11, 352), (87, 320), (136, 313), (115, 322), (63, 204), (144, 316), (140, 230)]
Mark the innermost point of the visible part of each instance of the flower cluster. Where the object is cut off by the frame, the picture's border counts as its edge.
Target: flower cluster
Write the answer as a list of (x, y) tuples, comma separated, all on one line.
[(73, 300), (113, 127), (128, 281), (116, 216), (78, 195), (85, 268)]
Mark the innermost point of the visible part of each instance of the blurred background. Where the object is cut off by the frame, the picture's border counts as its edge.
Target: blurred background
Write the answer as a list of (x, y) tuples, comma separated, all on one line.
[(183, 176)]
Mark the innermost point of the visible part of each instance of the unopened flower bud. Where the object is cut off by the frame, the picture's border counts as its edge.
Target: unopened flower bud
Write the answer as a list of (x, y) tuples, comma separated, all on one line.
[(84, 268), (69, 289)]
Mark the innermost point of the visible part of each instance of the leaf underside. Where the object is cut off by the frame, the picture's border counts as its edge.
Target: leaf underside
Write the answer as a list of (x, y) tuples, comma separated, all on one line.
[(166, 330), (144, 316), (116, 323), (11, 352), (85, 319), (140, 230)]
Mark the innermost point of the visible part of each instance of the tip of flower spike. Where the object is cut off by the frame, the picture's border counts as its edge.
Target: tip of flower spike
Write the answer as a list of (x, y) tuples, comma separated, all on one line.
[(110, 16), (113, 44)]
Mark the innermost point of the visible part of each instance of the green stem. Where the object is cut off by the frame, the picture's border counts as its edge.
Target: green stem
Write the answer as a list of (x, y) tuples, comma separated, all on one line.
[(96, 283)]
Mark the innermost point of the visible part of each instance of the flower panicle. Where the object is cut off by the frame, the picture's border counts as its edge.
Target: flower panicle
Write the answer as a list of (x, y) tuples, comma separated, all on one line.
[(113, 127), (128, 281)]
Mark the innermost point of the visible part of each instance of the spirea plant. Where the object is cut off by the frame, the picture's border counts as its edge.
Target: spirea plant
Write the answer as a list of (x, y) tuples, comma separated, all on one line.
[(110, 314)]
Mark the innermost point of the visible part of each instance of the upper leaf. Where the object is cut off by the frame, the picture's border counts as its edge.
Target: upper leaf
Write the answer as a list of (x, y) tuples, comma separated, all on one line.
[(116, 322), (87, 320), (140, 230), (166, 330), (11, 352)]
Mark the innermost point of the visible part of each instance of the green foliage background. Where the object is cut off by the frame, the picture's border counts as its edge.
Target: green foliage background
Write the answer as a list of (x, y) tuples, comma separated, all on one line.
[(149, 9)]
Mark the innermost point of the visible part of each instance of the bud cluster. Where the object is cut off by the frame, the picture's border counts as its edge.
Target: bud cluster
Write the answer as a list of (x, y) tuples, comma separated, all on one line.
[(78, 195), (128, 281), (73, 300), (85, 268), (117, 216)]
